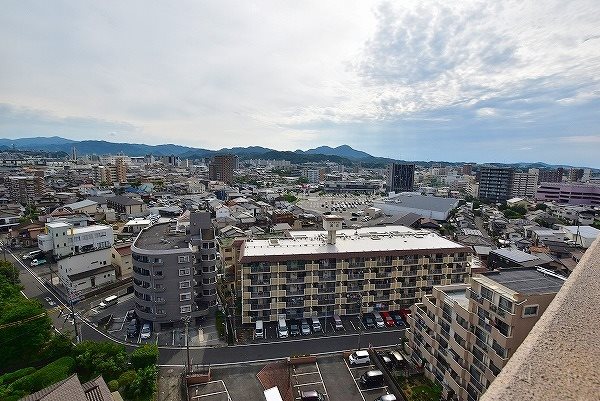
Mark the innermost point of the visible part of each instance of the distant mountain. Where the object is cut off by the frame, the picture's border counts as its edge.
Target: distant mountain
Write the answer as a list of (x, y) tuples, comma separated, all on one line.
[(341, 151), (35, 143)]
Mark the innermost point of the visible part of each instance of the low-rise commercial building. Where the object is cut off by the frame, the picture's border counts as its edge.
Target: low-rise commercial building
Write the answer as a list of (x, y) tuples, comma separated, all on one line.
[(345, 272), (569, 193), (463, 335), (431, 207)]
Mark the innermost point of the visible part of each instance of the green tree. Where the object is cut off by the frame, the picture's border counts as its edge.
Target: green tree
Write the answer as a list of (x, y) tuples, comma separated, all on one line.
[(144, 356), (9, 271), (100, 358), (541, 206), (25, 328), (144, 384)]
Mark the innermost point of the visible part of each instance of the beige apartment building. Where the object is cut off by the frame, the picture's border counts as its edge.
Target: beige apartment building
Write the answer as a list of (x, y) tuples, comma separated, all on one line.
[(464, 334), (345, 272)]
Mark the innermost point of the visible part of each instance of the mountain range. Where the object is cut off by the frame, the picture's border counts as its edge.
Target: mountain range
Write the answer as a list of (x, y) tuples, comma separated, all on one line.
[(342, 154)]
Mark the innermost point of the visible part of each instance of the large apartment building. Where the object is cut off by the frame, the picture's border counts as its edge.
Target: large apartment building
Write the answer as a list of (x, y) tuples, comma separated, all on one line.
[(464, 334), (345, 272), (524, 185), (26, 189), (174, 270), (221, 168), (400, 177), (495, 183)]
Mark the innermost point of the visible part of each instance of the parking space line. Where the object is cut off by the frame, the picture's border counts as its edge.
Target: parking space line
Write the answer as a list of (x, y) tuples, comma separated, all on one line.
[(321, 376), (352, 324), (307, 373), (376, 388), (209, 394), (361, 367), (355, 383), (310, 384)]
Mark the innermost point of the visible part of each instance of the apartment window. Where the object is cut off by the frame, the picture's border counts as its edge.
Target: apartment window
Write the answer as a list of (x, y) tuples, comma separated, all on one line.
[(183, 259), (158, 286), (158, 273), (487, 293), (157, 260), (186, 296), (184, 272), (185, 308), (530, 310), (184, 284)]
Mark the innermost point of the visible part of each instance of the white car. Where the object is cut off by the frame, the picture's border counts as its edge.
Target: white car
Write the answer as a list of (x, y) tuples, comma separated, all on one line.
[(50, 301), (146, 331), (379, 321), (360, 357)]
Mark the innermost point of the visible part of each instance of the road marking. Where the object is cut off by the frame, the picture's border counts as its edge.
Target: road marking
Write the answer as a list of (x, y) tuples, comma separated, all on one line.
[(375, 388), (173, 342), (156, 342), (322, 382), (209, 394), (352, 324), (355, 383), (307, 373), (310, 384)]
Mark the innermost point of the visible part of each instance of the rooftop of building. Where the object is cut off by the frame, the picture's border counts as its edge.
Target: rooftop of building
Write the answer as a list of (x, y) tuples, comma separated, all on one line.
[(554, 360), (514, 255), (458, 295), (584, 231), (124, 200), (71, 389), (525, 281), (417, 201), (81, 204), (161, 237), (365, 239)]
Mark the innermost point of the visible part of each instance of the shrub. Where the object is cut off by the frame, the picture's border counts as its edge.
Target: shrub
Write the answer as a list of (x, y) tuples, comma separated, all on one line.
[(100, 358), (126, 378), (49, 374), (17, 374), (113, 385), (144, 356), (144, 384)]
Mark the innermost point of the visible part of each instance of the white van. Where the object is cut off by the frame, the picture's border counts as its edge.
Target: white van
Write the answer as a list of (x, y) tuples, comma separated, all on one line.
[(108, 301), (258, 329), (359, 357), (282, 329)]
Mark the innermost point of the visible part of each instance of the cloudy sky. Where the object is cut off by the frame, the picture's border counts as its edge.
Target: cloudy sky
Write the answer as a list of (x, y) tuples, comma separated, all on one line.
[(474, 81)]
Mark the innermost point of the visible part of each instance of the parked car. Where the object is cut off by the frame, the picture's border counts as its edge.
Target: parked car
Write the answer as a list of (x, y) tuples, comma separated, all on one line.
[(316, 325), (386, 397), (33, 255), (258, 329), (387, 319), (305, 327), (294, 328), (130, 314), (372, 378), (397, 318), (311, 395), (369, 320), (132, 328), (379, 321), (146, 331), (50, 301), (282, 329), (360, 357), (38, 262), (337, 322)]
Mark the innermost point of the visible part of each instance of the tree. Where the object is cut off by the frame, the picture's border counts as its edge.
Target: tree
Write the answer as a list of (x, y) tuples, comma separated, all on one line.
[(144, 356), (144, 384), (9, 271), (541, 206), (100, 358)]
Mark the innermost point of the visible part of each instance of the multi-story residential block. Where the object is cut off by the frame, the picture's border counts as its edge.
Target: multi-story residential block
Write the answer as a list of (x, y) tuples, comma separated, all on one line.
[(174, 270), (495, 183), (524, 184), (25, 189), (312, 175), (575, 174), (345, 272), (463, 335), (221, 168), (547, 175), (400, 177), (569, 193), (83, 254)]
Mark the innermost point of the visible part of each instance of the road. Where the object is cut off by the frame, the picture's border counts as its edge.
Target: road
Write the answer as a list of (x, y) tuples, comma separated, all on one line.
[(34, 287)]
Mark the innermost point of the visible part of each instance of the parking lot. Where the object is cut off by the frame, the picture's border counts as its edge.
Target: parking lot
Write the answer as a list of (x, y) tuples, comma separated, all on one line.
[(204, 334), (366, 393), (352, 325), (211, 391), (307, 377)]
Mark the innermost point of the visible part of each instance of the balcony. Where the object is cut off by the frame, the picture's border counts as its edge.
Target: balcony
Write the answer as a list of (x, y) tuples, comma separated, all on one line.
[(500, 338)]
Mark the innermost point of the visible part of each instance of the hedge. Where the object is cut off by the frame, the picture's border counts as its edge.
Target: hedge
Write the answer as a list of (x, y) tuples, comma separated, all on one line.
[(8, 378), (49, 374)]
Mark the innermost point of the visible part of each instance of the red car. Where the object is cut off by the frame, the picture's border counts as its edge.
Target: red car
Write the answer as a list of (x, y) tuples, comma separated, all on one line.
[(389, 321)]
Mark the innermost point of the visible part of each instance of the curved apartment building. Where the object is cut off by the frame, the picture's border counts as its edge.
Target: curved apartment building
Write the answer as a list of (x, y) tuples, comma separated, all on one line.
[(174, 271)]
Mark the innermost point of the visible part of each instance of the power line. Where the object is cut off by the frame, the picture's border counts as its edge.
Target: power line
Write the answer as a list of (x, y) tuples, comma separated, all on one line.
[(18, 322)]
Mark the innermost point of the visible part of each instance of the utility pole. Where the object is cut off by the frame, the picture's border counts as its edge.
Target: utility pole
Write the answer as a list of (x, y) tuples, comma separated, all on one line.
[(186, 321)]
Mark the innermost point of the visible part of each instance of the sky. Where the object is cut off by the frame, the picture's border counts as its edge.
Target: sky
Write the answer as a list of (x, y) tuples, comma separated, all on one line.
[(480, 81)]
